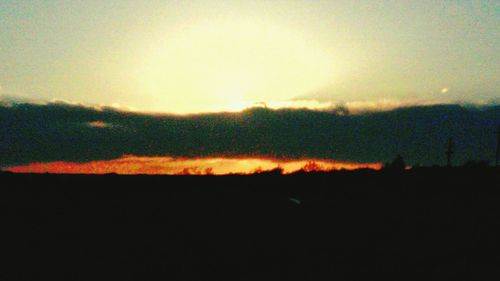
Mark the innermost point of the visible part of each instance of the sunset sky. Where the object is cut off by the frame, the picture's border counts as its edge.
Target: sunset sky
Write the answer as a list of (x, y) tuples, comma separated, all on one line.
[(198, 56), (126, 80)]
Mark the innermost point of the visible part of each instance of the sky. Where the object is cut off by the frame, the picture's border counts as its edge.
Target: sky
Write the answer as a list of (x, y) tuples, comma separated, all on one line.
[(217, 87), (210, 56)]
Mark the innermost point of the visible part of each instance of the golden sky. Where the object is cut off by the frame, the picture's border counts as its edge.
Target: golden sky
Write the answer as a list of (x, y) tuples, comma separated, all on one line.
[(196, 166), (200, 56)]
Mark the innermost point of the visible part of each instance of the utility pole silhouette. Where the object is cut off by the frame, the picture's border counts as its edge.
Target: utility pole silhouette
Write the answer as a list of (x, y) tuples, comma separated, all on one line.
[(449, 151), (498, 148)]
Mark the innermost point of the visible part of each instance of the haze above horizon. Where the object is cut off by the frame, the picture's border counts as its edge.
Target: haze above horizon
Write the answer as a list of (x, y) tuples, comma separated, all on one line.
[(206, 56)]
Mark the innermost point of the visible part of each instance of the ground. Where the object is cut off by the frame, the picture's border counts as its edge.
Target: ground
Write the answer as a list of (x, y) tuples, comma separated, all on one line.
[(425, 224)]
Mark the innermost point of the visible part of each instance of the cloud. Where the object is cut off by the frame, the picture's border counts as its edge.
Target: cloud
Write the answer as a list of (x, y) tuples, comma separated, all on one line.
[(98, 124), (8, 100), (12, 100), (353, 107), (63, 132)]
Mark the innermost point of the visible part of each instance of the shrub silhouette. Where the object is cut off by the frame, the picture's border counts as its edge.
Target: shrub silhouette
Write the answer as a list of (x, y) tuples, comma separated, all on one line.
[(398, 164), (276, 171)]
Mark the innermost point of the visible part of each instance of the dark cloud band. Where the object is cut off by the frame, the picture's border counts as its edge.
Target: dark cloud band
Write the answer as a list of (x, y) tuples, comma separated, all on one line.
[(43, 133)]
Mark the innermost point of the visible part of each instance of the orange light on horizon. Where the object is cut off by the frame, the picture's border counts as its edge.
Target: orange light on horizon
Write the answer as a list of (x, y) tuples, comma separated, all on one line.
[(132, 165)]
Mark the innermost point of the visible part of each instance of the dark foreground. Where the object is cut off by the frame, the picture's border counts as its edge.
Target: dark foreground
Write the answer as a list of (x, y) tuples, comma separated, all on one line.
[(416, 225)]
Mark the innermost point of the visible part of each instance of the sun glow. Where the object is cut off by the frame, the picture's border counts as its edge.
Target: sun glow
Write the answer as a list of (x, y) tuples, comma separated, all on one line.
[(197, 166), (223, 64)]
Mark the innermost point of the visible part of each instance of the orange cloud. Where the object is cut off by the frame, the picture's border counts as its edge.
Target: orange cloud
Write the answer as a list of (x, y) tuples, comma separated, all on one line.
[(98, 124), (130, 165)]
